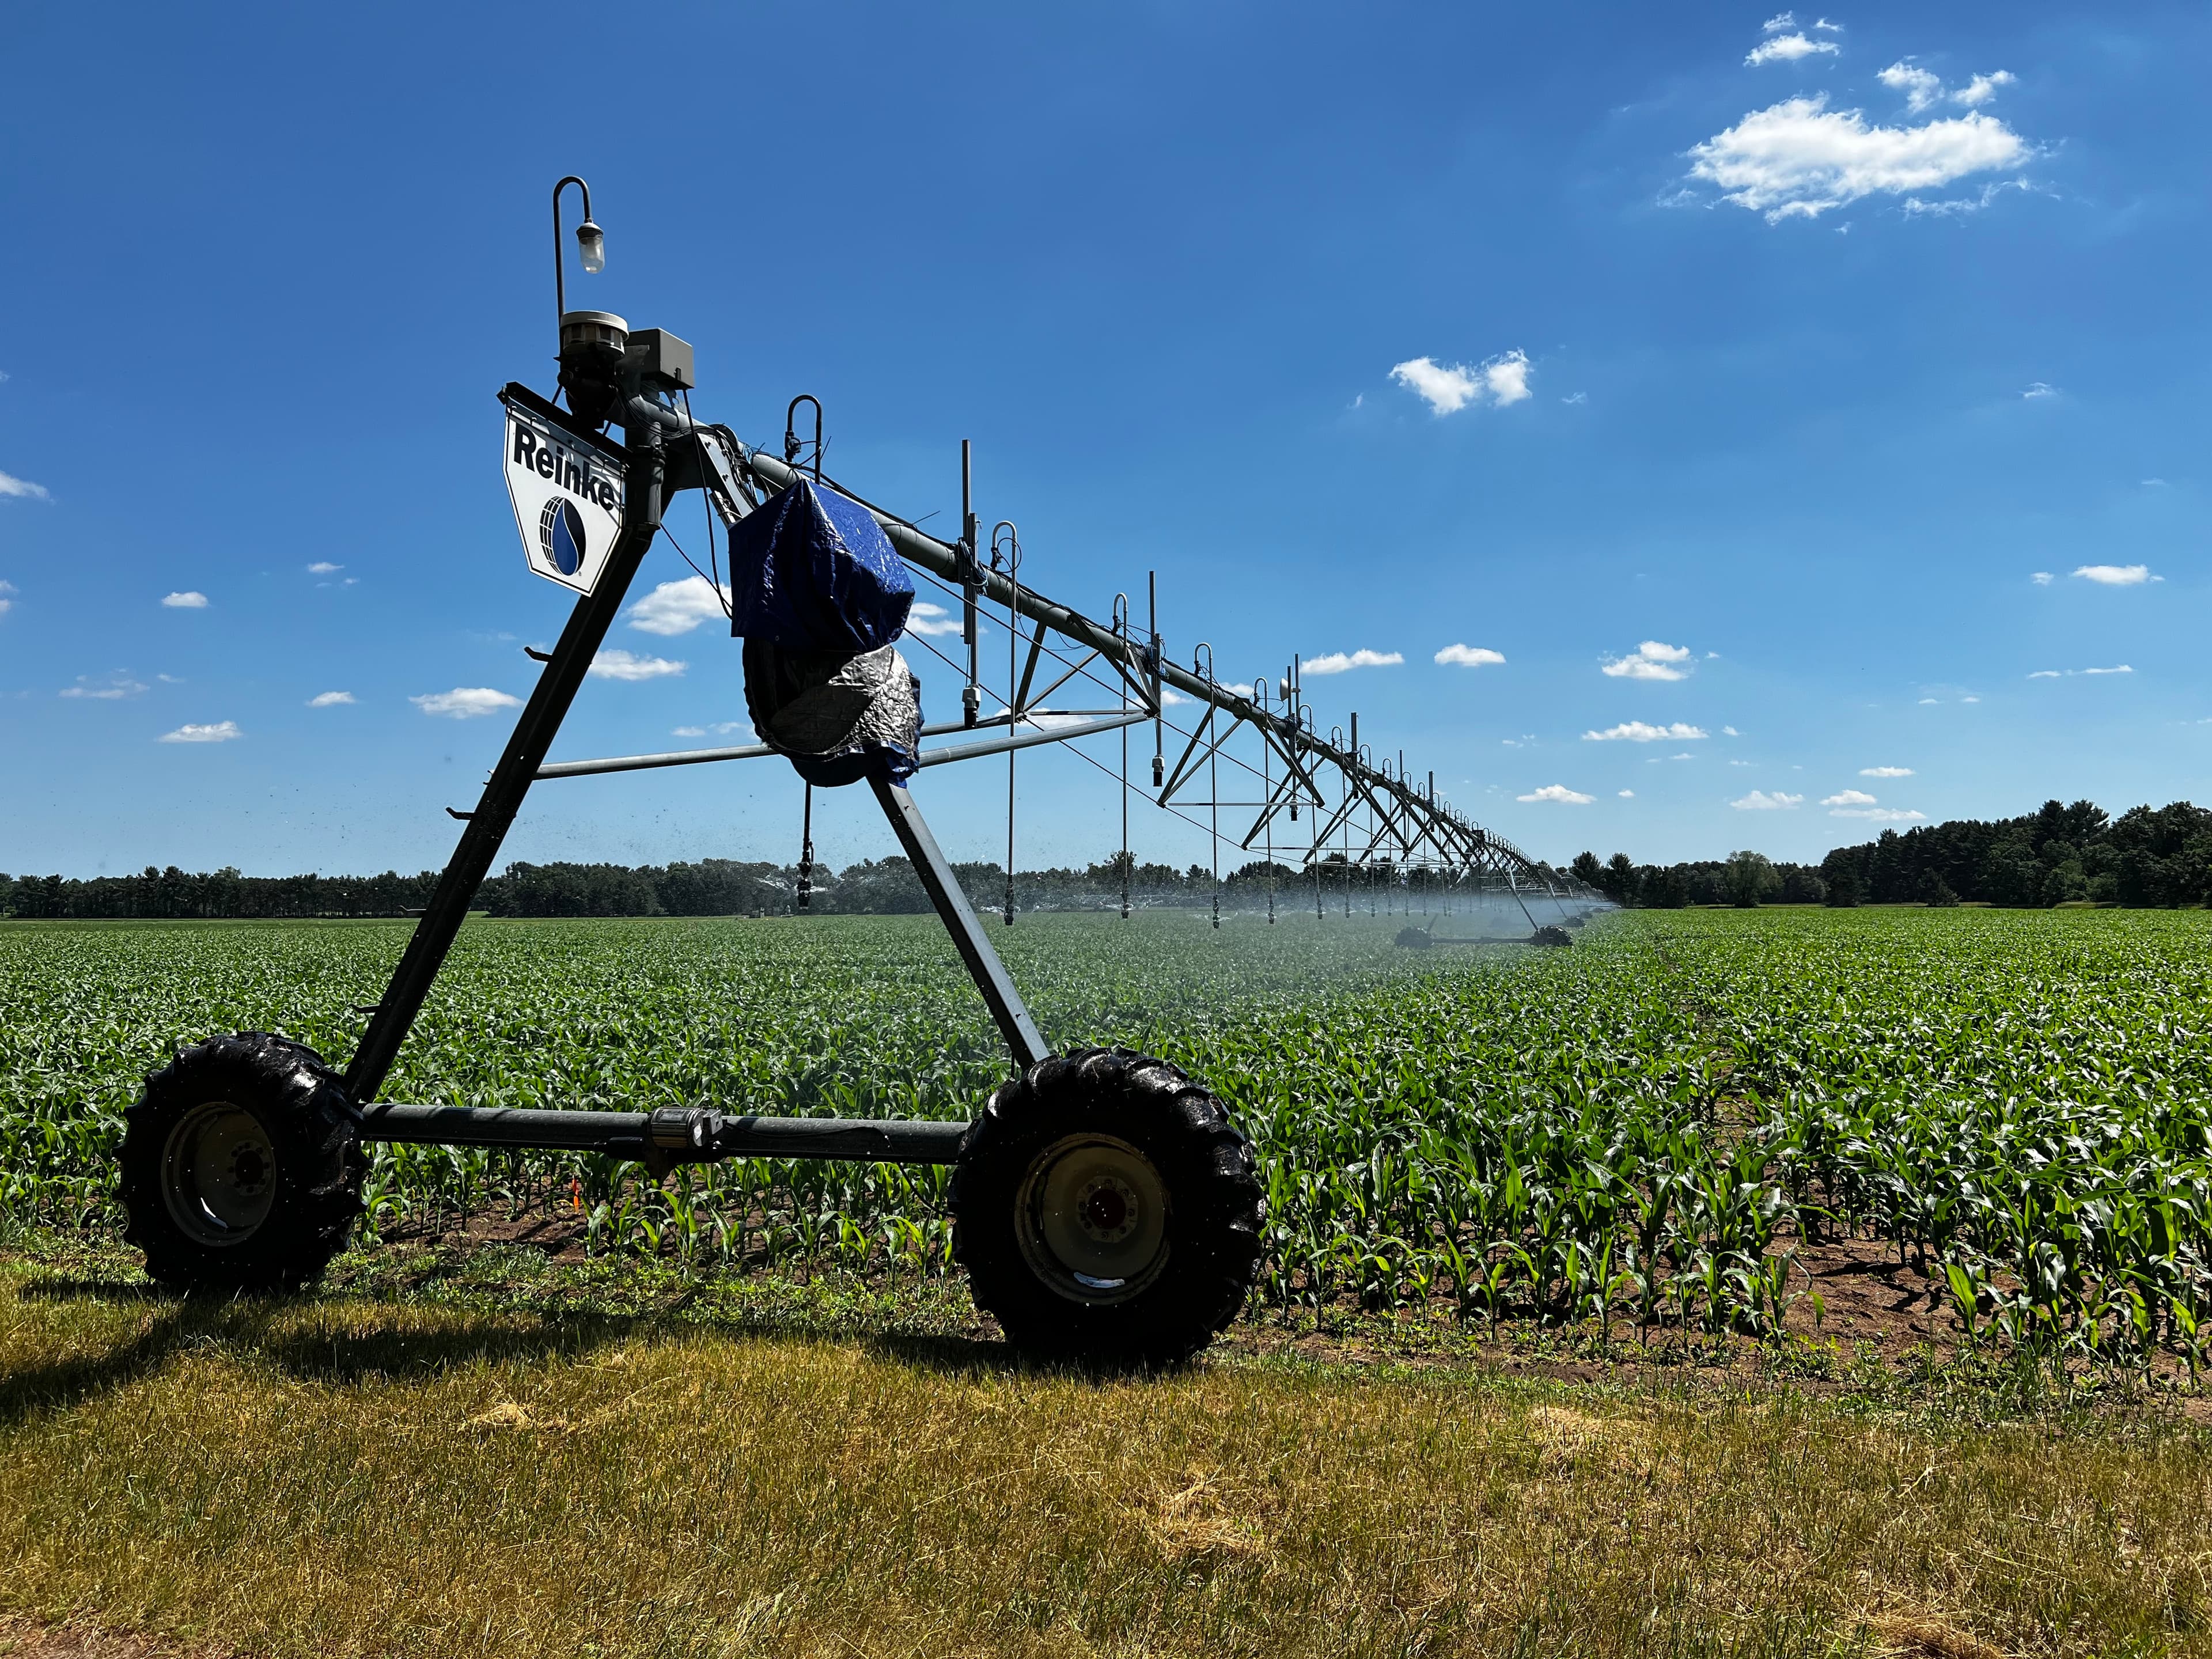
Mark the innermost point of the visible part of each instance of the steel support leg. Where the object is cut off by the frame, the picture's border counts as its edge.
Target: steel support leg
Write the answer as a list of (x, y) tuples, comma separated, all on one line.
[(510, 780), (942, 886)]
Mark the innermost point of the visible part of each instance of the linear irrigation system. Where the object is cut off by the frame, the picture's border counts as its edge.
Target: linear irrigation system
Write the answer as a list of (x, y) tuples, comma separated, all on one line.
[(1364, 816), (1104, 1204)]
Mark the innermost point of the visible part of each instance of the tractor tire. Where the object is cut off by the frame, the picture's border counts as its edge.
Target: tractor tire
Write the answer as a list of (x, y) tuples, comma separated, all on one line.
[(1107, 1211), (241, 1168)]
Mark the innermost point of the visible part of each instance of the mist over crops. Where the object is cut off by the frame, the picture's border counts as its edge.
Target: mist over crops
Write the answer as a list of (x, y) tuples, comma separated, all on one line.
[(1653, 1124)]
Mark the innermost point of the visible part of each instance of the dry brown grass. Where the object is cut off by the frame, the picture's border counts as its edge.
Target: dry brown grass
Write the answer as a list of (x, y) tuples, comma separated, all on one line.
[(363, 1477)]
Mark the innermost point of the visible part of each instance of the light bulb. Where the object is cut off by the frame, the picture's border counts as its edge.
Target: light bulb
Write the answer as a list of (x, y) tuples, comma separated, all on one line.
[(592, 245)]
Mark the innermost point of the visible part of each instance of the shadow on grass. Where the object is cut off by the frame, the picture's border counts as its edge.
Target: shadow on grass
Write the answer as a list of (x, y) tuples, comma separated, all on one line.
[(340, 1342), (62, 1383), (968, 1358), (332, 1341), (93, 1289)]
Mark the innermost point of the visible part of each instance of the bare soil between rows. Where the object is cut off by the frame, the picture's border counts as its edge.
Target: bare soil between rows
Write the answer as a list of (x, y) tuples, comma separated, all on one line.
[(1876, 1315)]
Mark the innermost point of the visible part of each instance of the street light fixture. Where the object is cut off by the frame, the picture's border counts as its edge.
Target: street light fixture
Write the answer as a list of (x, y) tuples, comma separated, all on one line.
[(591, 243)]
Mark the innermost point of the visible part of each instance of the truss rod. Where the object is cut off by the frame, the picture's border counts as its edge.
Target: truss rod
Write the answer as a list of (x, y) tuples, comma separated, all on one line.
[(950, 562)]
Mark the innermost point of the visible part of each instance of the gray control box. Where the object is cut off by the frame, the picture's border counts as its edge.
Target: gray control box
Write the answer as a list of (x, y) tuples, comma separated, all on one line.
[(656, 351)]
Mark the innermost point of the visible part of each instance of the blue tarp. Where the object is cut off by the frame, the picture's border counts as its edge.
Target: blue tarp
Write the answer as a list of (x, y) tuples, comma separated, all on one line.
[(812, 574)]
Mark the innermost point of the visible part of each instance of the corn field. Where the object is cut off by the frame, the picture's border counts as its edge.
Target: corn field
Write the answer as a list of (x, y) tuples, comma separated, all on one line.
[(1655, 1127)]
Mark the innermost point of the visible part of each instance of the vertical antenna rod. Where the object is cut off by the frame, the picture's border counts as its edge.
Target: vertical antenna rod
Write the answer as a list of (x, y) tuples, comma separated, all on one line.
[(1159, 698), (970, 697), (1121, 630), (1013, 679), (1267, 795)]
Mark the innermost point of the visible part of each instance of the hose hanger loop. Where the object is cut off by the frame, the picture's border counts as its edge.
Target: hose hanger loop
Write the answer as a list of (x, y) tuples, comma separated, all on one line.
[(791, 443)]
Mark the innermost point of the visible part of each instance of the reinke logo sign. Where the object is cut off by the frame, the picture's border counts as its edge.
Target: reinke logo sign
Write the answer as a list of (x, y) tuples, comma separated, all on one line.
[(567, 496)]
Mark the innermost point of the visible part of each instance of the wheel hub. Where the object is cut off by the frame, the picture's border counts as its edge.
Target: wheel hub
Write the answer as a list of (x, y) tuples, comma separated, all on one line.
[(1108, 1210), (1092, 1218), (218, 1174)]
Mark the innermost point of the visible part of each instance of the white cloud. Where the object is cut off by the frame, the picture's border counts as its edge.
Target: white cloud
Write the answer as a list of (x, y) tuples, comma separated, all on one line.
[(1507, 378), (2068, 674), (2040, 389), (2154, 483), (108, 688), (1575, 398), (1848, 797), (1983, 87), (1650, 660), (1788, 20), (1170, 697), (1880, 814), (1921, 87), (1447, 388), (720, 728), (1923, 90), (7, 604), (1559, 793), (1730, 732), (2041, 579), (465, 702), (186, 601), (323, 568), (1970, 700), (1644, 731), (2122, 668), (1628, 794), (1884, 771), (1470, 656), (1799, 158), (1957, 207), (221, 731), (1928, 700), (627, 665), (329, 699), (11, 485), (927, 620), (1787, 49), (2118, 575), (2045, 674), (1336, 662), (678, 607), (688, 732), (1760, 801)]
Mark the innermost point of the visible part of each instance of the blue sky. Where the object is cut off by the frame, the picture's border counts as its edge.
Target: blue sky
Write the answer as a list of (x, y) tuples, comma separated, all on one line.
[(1823, 392)]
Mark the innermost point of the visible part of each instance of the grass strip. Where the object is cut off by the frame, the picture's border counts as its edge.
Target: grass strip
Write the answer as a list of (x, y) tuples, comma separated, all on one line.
[(371, 1475)]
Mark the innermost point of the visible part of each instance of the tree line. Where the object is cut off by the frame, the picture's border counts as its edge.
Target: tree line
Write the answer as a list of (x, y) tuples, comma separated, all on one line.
[(2150, 856), (2147, 857), (708, 887)]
